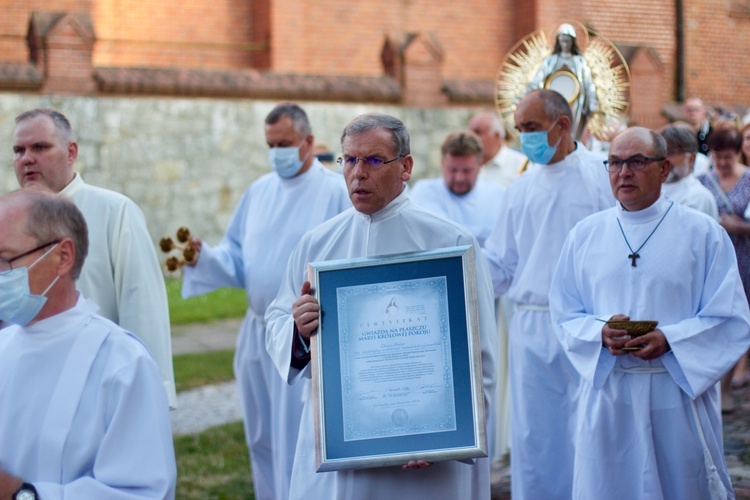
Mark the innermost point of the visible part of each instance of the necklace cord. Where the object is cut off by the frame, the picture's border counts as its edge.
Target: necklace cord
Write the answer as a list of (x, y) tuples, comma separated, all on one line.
[(633, 254)]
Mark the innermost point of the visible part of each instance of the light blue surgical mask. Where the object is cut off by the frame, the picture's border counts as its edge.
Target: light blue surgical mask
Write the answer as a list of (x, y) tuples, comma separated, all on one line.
[(535, 145), (285, 161), (17, 304)]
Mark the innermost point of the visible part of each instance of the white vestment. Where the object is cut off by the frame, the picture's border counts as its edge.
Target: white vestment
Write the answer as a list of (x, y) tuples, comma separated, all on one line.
[(504, 167), (690, 192), (476, 210), (269, 221), (122, 274), (637, 435), (84, 414), (539, 209), (401, 226)]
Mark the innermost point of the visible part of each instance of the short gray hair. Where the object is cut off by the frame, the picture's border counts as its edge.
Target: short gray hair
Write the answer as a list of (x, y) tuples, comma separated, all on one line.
[(371, 121), (658, 144), (53, 217), (680, 138), (62, 125), (298, 116)]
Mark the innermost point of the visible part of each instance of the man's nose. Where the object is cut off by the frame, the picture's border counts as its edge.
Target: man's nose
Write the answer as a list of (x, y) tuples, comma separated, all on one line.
[(27, 156)]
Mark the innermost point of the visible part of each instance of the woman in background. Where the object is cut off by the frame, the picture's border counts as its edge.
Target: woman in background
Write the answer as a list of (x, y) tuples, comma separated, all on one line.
[(729, 182)]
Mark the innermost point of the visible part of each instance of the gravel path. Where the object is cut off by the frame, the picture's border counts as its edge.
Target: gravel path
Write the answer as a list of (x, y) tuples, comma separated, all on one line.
[(204, 407)]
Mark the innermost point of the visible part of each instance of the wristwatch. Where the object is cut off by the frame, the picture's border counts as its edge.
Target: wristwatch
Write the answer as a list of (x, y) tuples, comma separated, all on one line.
[(26, 492)]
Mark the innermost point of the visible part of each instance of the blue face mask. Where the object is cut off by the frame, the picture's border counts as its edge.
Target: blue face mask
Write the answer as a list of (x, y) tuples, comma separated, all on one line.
[(17, 304), (535, 145), (285, 161)]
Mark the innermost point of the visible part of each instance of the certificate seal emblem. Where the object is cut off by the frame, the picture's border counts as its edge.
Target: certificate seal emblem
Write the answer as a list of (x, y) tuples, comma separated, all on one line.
[(399, 417)]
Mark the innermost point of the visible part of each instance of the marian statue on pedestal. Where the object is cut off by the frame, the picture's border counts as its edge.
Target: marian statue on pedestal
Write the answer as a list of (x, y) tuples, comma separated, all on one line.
[(584, 67)]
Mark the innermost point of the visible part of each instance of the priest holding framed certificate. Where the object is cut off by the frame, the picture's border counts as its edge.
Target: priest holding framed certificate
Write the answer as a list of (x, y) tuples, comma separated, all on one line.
[(402, 331)]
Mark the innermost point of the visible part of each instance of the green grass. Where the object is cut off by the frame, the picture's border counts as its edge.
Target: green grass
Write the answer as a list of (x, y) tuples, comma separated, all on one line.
[(219, 304), (214, 464), (203, 368)]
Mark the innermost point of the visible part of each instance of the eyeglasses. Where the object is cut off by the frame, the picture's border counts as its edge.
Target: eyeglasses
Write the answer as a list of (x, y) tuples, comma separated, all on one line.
[(634, 163), (6, 265), (373, 162)]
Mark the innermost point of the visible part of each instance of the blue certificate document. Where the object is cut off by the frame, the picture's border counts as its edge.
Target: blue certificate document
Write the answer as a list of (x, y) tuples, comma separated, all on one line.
[(395, 354), (396, 362)]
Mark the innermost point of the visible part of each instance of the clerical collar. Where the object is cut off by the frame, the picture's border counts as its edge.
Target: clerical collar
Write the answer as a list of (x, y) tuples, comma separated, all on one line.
[(662, 204), (391, 208), (653, 212)]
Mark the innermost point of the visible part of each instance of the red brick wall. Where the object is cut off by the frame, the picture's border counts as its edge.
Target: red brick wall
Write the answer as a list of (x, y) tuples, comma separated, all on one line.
[(173, 33), (717, 57), (335, 37), (645, 104), (14, 23), (67, 61), (640, 22)]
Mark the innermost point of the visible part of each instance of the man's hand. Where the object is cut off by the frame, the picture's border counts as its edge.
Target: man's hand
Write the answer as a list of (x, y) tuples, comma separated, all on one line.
[(196, 243), (8, 485), (615, 340), (306, 312), (416, 464), (654, 345)]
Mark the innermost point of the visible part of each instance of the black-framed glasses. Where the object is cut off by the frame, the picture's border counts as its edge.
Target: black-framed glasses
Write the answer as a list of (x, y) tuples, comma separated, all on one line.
[(634, 163), (373, 162), (6, 265)]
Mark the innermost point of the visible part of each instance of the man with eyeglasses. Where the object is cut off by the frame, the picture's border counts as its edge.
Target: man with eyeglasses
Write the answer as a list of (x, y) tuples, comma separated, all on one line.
[(649, 420), (84, 412), (565, 184), (122, 273), (273, 214), (376, 162)]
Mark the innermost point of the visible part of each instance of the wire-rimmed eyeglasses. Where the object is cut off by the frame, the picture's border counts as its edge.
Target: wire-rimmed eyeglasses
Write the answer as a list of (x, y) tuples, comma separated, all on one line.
[(373, 162), (634, 163)]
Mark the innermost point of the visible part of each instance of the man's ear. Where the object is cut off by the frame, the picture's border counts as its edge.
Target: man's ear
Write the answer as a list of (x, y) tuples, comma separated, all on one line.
[(67, 255), (665, 169), (72, 152), (565, 124), (408, 163)]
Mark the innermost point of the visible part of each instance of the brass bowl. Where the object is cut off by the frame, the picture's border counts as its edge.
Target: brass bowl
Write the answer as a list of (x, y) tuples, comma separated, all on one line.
[(634, 328)]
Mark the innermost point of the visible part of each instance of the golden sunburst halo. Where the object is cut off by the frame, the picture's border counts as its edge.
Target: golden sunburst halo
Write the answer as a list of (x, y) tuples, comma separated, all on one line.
[(609, 72)]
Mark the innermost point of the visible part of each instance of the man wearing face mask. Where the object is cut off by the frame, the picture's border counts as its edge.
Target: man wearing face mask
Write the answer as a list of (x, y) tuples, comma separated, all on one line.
[(681, 185), (565, 184), (84, 412), (122, 274), (273, 214)]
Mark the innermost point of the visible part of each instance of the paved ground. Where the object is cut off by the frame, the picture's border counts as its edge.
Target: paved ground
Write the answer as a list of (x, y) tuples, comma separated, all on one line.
[(214, 405), (217, 336)]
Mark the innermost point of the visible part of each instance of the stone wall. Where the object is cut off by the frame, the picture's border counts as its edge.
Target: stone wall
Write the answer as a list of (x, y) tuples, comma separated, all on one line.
[(188, 161)]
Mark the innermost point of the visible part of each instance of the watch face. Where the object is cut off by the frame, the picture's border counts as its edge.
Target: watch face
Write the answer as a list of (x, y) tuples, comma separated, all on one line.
[(25, 495)]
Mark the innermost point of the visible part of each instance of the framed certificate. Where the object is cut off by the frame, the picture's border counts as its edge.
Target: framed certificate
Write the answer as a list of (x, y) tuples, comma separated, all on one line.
[(396, 361)]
